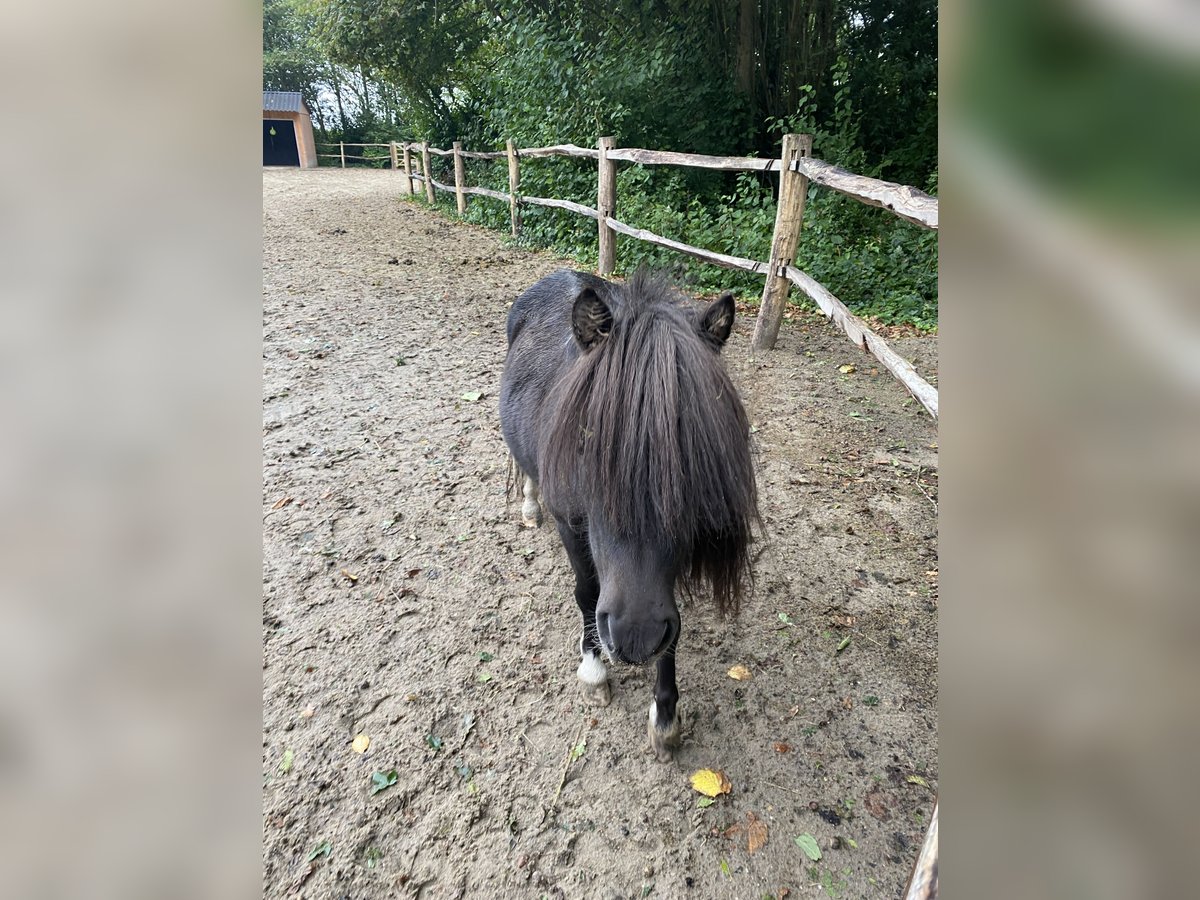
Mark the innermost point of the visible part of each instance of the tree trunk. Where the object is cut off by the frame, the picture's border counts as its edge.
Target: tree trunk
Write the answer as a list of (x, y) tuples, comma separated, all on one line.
[(320, 113), (747, 46), (337, 92), (365, 102)]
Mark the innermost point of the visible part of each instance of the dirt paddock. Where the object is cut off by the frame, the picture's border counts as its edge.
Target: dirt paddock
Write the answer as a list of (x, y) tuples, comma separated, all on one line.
[(403, 601)]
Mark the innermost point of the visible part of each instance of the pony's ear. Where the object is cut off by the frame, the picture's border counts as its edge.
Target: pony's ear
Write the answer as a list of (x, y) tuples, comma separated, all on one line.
[(717, 321), (591, 319)]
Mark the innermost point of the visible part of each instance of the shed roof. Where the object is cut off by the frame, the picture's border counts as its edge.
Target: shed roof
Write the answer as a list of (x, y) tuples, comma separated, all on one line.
[(283, 101)]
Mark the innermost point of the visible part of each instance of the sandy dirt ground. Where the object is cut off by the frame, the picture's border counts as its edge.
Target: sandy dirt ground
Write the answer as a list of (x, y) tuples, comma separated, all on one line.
[(403, 601)]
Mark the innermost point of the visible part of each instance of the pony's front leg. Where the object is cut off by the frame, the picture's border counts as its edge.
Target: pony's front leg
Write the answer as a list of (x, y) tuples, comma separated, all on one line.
[(531, 510), (593, 676), (664, 708)]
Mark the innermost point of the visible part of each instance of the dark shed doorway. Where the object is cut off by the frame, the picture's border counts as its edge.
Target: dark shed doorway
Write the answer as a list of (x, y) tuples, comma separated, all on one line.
[(279, 143)]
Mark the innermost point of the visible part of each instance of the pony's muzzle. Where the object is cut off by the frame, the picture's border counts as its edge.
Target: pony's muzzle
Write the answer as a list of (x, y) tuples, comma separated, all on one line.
[(636, 643)]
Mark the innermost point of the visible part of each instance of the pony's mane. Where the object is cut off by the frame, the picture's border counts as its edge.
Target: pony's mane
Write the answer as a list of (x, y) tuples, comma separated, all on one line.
[(650, 433)]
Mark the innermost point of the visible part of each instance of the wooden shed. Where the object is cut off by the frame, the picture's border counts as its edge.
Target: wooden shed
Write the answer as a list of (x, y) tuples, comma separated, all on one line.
[(287, 131)]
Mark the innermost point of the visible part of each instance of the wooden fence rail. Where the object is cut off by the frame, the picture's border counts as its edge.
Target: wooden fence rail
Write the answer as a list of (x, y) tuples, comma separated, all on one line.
[(343, 155), (796, 169)]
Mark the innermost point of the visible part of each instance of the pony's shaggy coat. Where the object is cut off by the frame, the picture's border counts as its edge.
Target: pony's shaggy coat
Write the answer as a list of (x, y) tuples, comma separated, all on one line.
[(647, 431)]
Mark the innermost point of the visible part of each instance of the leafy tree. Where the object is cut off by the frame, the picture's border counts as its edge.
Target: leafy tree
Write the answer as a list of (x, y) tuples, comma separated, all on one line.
[(291, 60)]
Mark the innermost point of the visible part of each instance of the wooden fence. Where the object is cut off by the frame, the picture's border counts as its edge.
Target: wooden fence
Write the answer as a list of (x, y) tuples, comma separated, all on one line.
[(796, 169), (343, 155)]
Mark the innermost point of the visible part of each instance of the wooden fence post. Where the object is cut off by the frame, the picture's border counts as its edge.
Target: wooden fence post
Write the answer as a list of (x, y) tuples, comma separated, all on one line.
[(395, 161), (514, 184), (342, 145), (460, 179), (425, 168), (408, 181), (607, 207), (793, 187)]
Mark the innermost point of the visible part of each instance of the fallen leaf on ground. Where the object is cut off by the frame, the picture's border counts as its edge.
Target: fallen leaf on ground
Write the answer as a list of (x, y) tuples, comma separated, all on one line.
[(710, 783), (285, 764), (781, 747), (381, 781), (350, 575), (322, 849), (281, 502), (847, 369), (917, 779), (756, 834), (361, 743), (472, 396), (705, 802), (739, 673), (876, 804), (808, 844)]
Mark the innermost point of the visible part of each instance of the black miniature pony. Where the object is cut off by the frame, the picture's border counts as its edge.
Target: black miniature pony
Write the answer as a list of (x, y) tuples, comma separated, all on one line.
[(615, 403)]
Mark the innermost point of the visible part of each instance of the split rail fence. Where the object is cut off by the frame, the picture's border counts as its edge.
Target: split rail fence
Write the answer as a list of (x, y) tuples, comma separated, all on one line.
[(796, 168), (357, 157)]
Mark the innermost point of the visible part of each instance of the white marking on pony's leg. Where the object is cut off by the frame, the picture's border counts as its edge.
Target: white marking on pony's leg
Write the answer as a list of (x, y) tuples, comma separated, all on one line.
[(594, 678), (531, 511), (664, 740)]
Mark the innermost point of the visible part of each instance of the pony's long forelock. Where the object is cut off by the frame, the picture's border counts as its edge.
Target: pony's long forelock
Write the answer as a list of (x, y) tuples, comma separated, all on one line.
[(650, 430)]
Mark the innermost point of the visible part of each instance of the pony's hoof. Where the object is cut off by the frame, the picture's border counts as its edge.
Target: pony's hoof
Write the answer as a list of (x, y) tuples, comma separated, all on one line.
[(597, 694), (663, 741), (531, 516)]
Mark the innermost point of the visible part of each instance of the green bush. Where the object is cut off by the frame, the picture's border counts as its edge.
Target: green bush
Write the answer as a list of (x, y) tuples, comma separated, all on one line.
[(877, 264)]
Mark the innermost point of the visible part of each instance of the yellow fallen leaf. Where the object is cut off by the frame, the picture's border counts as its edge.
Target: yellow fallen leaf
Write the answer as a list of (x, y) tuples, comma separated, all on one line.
[(710, 783), (361, 743), (847, 369), (740, 673)]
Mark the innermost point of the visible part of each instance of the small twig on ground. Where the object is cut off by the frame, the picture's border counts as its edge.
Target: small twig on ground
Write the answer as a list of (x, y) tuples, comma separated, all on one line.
[(540, 698), (566, 768), (399, 599), (860, 634), (928, 496), (412, 865), (782, 788), (532, 746), (342, 457)]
